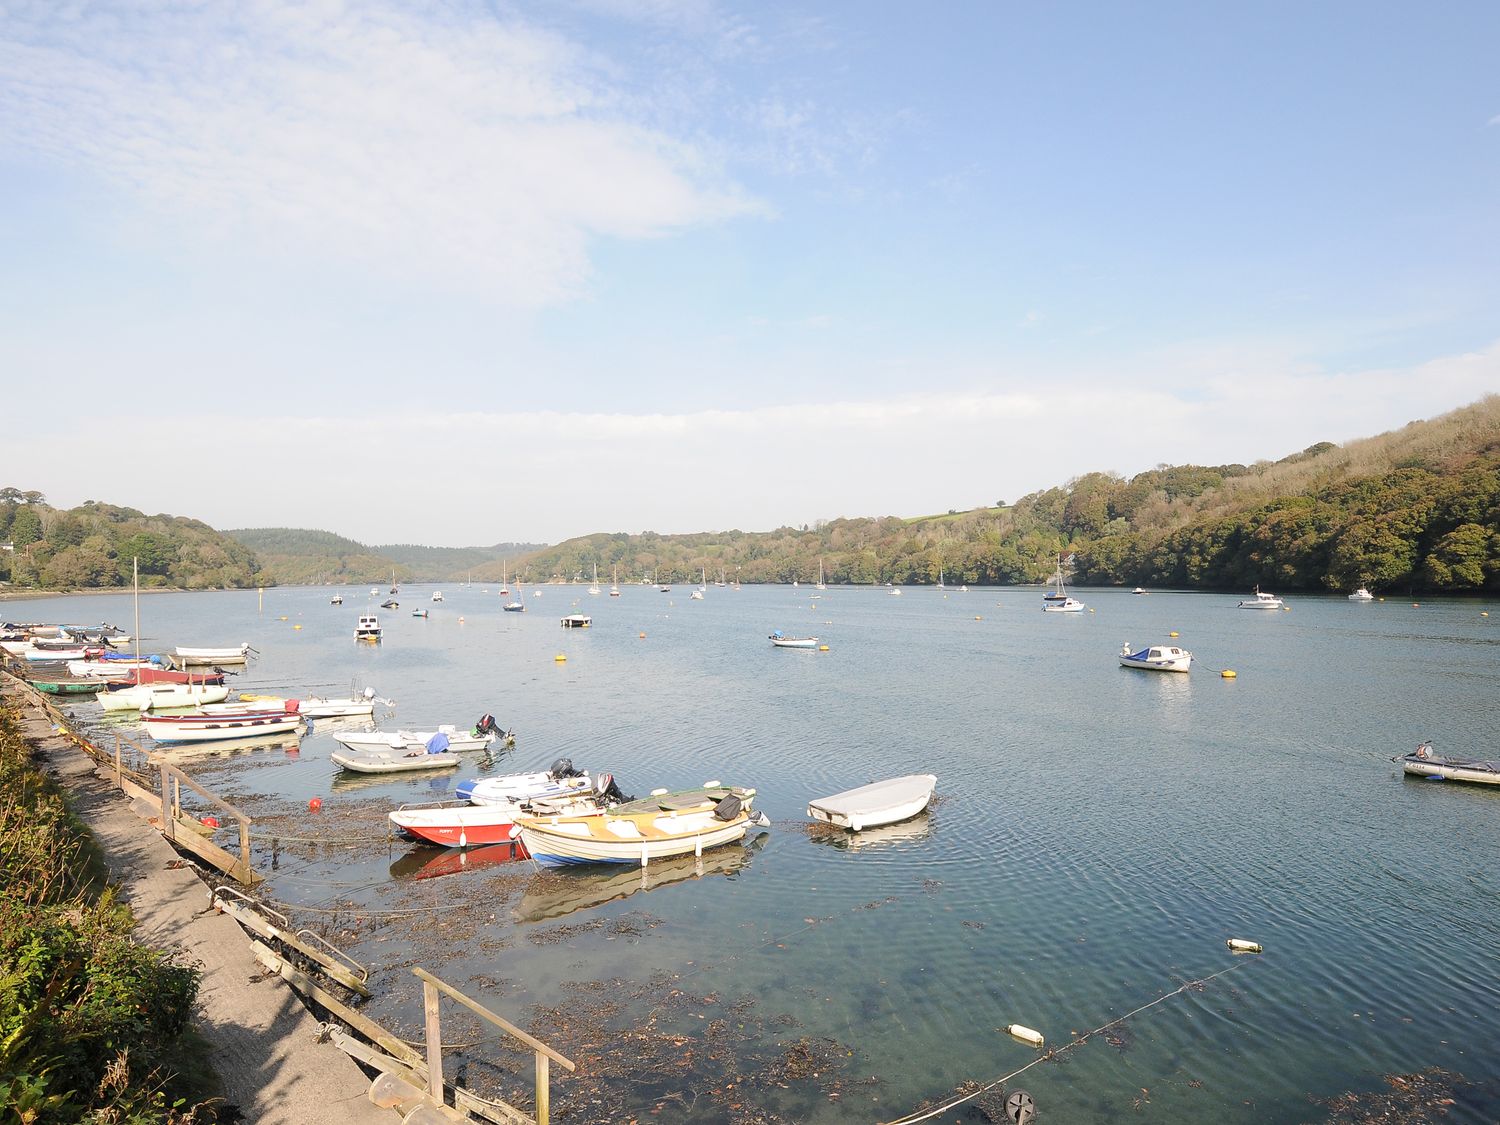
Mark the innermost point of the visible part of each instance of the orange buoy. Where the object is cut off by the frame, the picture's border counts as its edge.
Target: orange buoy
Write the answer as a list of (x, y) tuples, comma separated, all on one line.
[(315, 805)]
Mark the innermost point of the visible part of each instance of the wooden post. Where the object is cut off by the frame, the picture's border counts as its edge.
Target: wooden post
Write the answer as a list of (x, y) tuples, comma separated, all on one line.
[(119, 761), (176, 798), (168, 822), (543, 1088), (245, 843), (434, 1041)]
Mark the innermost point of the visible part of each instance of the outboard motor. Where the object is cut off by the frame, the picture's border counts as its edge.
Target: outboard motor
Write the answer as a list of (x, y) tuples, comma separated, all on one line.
[(562, 768), (486, 725), (729, 808), (608, 792)]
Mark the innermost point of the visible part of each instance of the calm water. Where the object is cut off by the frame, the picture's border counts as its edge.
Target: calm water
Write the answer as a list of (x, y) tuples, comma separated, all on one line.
[(1100, 833)]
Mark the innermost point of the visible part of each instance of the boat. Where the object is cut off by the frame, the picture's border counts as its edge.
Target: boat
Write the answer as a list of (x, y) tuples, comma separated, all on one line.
[(1262, 601), (821, 584), (208, 728), (435, 755), (1067, 605), (1424, 762), (124, 670), (1362, 595), (484, 733), (420, 613), (151, 697), (313, 707), (614, 584), (665, 824), (895, 591), (132, 675), (337, 599), (696, 596), (212, 655), (504, 579), (594, 585), (460, 825), (517, 606), (1156, 658), (1138, 590), (780, 640), (437, 595), (940, 585), (880, 802), (390, 603), (368, 628), (577, 621), (559, 780), (374, 591), (394, 588), (67, 687)]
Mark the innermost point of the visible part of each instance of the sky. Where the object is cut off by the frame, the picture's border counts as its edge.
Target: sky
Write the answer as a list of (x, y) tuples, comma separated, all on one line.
[(462, 272)]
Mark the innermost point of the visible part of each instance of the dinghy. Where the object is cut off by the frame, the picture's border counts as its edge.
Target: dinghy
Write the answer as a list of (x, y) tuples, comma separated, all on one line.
[(881, 802), (155, 697), (208, 728), (436, 754), (461, 825), (665, 824), (484, 733), (1425, 762)]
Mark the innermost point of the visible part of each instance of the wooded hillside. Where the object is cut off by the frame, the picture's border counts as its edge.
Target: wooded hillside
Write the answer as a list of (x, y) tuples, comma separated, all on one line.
[(298, 556), (1415, 509)]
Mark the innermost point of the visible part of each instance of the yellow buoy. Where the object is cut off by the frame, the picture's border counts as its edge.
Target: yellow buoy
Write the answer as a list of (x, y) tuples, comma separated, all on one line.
[(1173, 633), (643, 636), (296, 626), (560, 658), (822, 648), (1229, 673), (1484, 613), (1025, 1034), (1240, 945), (283, 617), (978, 618)]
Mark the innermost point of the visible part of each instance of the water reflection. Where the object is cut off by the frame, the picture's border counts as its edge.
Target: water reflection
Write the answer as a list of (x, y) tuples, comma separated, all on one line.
[(289, 743), (558, 893), (885, 836), (432, 863)]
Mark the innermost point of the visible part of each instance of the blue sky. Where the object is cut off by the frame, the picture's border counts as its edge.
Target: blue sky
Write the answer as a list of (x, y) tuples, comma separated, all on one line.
[(469, 272)]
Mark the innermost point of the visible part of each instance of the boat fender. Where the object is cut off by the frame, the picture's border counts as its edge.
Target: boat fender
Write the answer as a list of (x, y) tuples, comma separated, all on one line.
[(729, 808), (1025, 1034), (1240, 945)]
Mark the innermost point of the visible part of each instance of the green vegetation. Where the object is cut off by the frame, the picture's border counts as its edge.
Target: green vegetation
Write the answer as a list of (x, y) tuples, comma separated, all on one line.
[(93, 1028), (295, 556), (1417, 509), (92, 546)]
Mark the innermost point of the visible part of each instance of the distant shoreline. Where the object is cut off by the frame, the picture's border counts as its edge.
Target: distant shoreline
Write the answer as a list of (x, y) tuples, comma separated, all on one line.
[(32, 595)]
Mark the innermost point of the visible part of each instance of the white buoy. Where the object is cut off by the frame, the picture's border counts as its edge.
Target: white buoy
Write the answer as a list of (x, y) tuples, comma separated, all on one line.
[(1025, 1034), (1240, 945)]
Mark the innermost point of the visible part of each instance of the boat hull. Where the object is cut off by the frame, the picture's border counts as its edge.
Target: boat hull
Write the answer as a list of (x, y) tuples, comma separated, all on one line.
[(551, 844), (1158, 659), (1449, 769), (412, 740), (877, 804), (213, 728), (392, 760), (149, 697), (462, 827)]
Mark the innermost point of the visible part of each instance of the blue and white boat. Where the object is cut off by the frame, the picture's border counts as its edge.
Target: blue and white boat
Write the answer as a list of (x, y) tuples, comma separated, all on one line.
[(1156, 658)]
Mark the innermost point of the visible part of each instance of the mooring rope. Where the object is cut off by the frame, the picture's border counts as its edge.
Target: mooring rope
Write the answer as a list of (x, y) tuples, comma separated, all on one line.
[(1077, 1041)]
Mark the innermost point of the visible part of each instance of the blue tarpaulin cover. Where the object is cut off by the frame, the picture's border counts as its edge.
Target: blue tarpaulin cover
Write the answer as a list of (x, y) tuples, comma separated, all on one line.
[(437, 743)]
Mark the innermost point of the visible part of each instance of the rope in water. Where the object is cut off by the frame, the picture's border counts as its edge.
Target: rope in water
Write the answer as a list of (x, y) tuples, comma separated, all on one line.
[(1077, 1041)]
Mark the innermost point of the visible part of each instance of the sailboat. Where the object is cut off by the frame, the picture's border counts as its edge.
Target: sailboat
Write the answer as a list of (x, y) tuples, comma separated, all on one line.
[(940, 585), (821, 584), (504, 583), (721, 583), (394, 589), (614, 583), (594, 586), (517, 606), (697, 595), (1057, 600)]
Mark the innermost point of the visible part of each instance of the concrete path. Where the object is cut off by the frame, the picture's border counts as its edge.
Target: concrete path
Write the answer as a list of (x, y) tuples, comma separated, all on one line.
[(262, 1038)]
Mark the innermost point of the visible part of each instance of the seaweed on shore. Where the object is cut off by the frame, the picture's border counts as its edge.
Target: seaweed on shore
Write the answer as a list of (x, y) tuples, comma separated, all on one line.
[(1408, 1099)]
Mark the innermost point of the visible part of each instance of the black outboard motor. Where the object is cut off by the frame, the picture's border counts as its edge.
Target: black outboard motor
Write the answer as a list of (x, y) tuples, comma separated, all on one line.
[(562, 768), (609, 793), (487, 725), (729, 808)]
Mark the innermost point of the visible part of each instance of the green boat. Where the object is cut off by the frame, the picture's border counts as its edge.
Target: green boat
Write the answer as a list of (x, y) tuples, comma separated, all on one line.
[(66, 687)]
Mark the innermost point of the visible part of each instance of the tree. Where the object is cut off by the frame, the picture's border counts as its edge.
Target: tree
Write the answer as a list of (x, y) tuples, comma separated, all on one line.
[(26, 528), (1459, 559)]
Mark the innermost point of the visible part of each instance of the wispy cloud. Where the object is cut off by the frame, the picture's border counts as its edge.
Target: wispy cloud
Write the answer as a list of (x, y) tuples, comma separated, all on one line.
[(443, 142)]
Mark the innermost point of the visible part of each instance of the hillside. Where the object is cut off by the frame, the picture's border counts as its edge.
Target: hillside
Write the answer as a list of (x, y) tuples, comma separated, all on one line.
[(1416, 509), (297, 556), (92, 546)]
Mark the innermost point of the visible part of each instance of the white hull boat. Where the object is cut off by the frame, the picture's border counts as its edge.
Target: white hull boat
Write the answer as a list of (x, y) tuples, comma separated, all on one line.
[(1263, 601), (212, 655), (391, 759), (1156, 658), (1067, 605), (1361, 595), (560, 781), (315, 706), (154, 697), (108, 669), (641, 831), (780, 641), (414, 740), (577, 621), (881, 802), (211, 728)]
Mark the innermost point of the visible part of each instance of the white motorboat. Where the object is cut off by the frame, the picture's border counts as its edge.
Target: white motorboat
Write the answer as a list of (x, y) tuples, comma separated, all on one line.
[(437, 595), (1362, 595), (1156, 658), (337, 599), (368, 628), (577, 621), (1263, 601), (1067, 605), (782, 641), (393, 759), (1138, 590), (312, 707), (562, 780), (881, 802)]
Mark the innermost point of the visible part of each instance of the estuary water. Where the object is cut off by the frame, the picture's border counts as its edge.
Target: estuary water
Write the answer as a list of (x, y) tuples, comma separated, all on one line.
[(1099, 834)]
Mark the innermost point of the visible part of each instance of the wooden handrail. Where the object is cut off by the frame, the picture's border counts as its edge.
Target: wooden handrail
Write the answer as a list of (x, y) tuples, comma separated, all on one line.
[(499, 1021)]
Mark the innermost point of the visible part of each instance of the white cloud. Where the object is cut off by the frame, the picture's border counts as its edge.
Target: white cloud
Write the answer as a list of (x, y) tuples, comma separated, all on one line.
[(455, 145), (480, 477)]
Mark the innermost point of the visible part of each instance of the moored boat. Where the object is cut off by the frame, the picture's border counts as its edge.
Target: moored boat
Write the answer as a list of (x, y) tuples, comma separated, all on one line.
[(577, 621), (152, 697), (666, 824), (881, 802), (1262, 601), (467, 823), (1156, 658), (436, 755), (212, 655), (1066, 605), (780, 640), (67, 687), (483, 733), (208, 728), (367, 628), (1425, 762), (1362, 595)]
